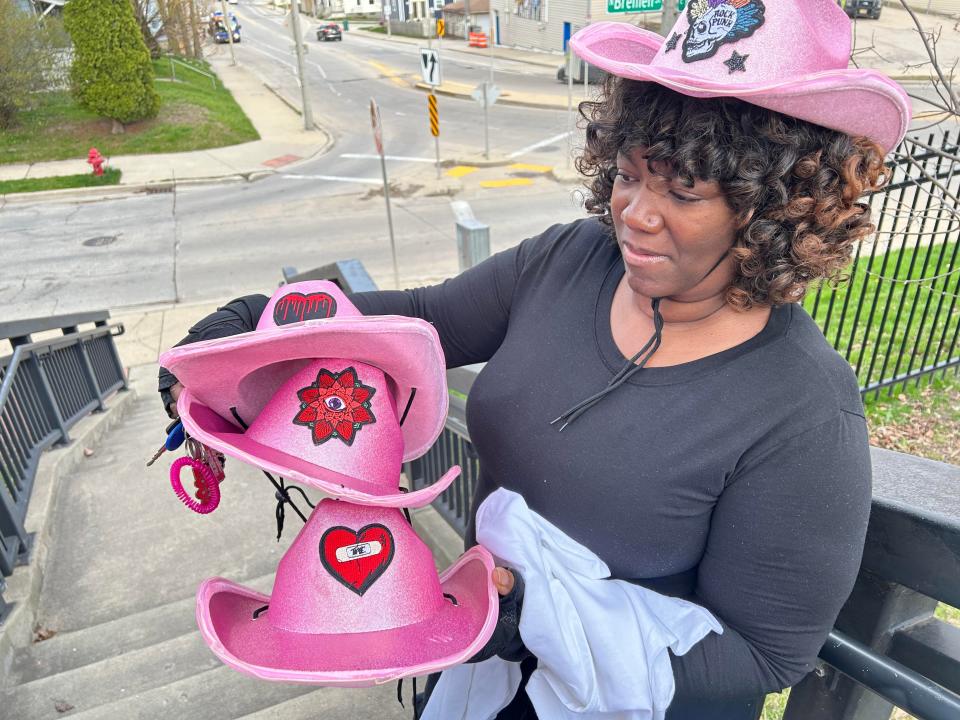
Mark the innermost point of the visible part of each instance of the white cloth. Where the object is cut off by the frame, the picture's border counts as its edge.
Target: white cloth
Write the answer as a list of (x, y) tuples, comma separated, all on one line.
[(601, 644)]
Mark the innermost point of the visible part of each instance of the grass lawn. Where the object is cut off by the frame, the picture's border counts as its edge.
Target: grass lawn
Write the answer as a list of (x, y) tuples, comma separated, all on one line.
[(111, 176), (193, 116)]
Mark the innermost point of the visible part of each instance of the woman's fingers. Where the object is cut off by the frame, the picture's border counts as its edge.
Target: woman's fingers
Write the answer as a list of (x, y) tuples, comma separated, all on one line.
[(503, 580)]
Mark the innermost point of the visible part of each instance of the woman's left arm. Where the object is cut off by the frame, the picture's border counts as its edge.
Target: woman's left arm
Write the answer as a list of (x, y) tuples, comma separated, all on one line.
[(784, 548)]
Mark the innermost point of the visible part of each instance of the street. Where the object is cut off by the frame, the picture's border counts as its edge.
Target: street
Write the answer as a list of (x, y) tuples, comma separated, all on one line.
[(214, 242)]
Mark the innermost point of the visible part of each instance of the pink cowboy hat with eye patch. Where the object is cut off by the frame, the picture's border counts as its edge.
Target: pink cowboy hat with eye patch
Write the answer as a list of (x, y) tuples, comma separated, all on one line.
[(789, 56), (320, 395)]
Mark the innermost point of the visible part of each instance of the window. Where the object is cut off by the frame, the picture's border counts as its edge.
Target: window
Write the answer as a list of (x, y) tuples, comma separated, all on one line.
[(531, 9)]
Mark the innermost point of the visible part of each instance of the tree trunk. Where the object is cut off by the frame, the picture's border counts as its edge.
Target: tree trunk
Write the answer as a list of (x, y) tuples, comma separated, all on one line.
[(195, 29), (117, 128)]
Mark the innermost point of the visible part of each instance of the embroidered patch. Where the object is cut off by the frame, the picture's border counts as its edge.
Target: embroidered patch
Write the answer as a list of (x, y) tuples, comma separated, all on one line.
[(672, 42), (336, 405), (716, 22), (736, 62), (297, 307), (357, 558)]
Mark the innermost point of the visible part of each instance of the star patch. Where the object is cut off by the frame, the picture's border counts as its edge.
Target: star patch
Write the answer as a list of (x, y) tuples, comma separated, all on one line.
[(336, 405), (737, 62), (672, 42)]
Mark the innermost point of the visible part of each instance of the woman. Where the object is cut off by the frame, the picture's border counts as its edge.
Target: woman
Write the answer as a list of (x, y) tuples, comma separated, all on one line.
[(727, 461)]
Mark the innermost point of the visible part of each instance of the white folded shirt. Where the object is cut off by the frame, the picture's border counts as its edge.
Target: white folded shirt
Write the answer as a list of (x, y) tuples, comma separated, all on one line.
[(601, 644)]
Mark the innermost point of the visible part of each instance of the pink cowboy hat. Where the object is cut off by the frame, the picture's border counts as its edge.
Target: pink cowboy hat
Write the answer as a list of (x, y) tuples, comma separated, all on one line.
[(790, 56), (356, 602), (345, 426)]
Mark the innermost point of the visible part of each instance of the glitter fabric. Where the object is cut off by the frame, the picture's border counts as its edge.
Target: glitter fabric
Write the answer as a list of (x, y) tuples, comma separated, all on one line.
[(798, 54), (238, 375), (318, 630)]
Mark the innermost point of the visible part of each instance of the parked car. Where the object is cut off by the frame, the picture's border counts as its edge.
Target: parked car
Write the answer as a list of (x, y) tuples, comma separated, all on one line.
[(220, 31), (330, 31), (866, 8)]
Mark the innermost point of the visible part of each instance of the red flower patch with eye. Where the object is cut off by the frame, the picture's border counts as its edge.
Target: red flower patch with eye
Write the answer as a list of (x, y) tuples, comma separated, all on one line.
[(336, 405)]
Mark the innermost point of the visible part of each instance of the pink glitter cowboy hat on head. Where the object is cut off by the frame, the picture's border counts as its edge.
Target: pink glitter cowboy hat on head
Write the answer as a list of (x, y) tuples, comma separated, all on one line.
[(356, 601), (789, 56), (320, 395)]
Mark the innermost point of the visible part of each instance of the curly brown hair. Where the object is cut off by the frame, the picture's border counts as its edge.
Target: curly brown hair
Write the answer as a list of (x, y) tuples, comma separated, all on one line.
[(793, 186)]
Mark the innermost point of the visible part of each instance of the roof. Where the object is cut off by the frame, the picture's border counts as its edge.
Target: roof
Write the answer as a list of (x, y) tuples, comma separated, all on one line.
[(477, 7)]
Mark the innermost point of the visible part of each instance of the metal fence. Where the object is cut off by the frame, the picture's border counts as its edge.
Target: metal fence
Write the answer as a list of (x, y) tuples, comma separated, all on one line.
[(45, 388), (898, 318)]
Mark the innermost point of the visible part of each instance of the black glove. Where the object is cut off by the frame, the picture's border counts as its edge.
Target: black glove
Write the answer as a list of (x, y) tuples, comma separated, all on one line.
[(506, 642)]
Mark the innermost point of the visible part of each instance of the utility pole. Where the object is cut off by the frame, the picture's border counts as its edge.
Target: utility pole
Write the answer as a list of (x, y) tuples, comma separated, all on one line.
[(387, 9), (229, 26), (298, 46), (669, 16), (490, 43)]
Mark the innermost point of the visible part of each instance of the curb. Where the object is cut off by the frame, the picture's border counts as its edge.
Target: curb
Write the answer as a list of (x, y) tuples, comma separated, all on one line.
[(26, 583), (502, 100), (328, 142)]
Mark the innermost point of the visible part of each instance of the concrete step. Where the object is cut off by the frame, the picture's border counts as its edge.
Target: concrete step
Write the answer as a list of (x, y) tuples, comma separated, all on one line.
[(224, 694), (69, 651), (344, 704)]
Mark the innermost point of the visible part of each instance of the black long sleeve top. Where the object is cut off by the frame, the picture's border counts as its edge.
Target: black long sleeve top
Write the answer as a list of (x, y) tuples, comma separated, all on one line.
[(747, 473)]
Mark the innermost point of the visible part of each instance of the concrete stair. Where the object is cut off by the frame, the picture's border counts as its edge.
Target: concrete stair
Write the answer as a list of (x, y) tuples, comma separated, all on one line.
[(120, 571)]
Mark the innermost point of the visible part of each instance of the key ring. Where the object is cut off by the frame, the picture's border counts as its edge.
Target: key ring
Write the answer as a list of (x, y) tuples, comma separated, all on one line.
[(208, 488)]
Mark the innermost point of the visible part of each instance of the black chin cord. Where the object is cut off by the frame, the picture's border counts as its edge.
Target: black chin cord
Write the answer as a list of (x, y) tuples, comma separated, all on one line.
[(625, 373)]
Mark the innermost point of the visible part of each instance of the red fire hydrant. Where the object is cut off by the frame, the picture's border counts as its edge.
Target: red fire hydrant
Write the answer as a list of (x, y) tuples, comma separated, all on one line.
[(97, 160)]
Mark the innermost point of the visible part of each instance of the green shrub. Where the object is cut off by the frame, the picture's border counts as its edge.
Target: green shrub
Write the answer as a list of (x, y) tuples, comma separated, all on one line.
[(111, 74), (28, 56)]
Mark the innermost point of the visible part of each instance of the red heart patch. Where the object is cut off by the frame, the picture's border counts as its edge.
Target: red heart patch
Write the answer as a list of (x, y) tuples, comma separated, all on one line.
[(297, 307), (356, 558)]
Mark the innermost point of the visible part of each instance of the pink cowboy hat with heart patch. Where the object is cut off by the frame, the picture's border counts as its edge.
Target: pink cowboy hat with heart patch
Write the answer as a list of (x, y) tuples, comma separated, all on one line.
[(789, 56), (320, 395), (356, 602)]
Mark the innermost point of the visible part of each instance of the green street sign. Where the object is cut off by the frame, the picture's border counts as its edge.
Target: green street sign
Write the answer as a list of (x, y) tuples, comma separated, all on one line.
[(639, 6)]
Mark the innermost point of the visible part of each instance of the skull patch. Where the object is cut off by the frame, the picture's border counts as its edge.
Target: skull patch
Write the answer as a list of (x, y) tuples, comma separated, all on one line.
[(716, 22)]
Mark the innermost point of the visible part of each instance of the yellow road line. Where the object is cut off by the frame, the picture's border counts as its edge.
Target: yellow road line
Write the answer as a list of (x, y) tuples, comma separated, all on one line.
[(460, 170), (531, 168), (505, 183), (388, 72)]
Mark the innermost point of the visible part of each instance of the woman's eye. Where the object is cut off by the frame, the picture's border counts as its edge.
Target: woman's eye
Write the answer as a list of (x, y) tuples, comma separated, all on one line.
[(623, 176), (683, 198), (334, 403)]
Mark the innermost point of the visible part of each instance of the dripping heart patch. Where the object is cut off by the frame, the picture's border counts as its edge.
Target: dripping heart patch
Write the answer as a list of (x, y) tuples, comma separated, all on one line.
[(357, 558), (296, 307)]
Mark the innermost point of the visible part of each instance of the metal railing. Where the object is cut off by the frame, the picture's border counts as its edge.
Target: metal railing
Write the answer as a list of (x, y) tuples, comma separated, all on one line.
[(45, 388), (898, 318), (887, 647)]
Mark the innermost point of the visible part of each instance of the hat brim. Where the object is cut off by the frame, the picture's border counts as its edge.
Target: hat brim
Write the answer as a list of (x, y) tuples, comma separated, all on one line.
[(209, 428), (242, 372), (856, 102), (255, 647)]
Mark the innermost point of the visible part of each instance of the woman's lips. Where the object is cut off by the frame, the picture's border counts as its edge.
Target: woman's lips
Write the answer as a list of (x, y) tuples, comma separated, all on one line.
[(640, 256)]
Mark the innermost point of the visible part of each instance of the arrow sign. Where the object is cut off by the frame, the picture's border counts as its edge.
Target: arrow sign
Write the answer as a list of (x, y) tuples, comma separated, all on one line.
[(430, 66), (493, 92)]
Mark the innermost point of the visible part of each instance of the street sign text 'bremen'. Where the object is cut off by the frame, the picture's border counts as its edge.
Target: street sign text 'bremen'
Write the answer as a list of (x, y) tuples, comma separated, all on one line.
[(639, 6)]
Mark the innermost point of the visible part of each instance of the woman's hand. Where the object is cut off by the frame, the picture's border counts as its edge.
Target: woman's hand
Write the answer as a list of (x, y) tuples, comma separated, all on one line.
[(503, 580), (175, 391)]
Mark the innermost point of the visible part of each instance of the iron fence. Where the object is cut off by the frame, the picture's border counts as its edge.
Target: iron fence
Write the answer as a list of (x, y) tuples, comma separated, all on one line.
[(45, 388), (897, 319)]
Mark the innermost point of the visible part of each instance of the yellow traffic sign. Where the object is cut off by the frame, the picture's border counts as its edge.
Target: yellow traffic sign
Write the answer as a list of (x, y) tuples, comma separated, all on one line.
[(440, 27), (434, 115)]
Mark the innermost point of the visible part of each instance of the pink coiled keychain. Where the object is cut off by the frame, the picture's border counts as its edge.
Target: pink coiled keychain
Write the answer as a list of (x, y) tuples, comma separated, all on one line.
[(207, 474)]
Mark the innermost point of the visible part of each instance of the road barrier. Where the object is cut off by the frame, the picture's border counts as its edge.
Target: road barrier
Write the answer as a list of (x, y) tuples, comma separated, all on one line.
[(477, 39)]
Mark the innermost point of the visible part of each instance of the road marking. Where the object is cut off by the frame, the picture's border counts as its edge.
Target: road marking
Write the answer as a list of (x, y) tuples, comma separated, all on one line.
[(402, 158), (505, 183), (460, 170), (531, 168), (535, 146), (334, 178), (389, 73), (274, 58)]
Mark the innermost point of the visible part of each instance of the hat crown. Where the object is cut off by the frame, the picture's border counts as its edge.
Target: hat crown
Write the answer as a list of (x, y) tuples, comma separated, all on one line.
[(339, 415), (753, 41), (352, 569), (307, 300)]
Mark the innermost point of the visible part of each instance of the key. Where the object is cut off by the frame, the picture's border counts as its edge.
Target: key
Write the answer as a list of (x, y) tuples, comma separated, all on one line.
[(175, 438)]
